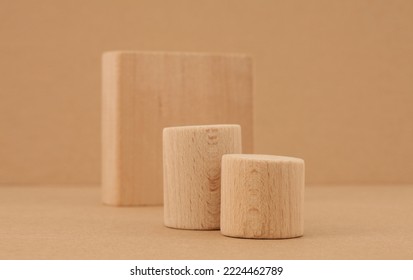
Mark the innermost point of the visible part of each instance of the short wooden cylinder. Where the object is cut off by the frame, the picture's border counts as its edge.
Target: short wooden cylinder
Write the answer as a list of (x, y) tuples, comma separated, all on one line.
[(262, 196), (192, 173)]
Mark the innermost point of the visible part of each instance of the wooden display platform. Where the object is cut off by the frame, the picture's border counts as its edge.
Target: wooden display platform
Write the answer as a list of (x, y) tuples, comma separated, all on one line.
[(62, 222)]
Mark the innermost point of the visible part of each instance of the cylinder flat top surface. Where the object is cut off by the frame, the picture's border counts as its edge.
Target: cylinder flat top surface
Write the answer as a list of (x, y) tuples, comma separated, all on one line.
[(172, 53), (268, 158), (192, 127)]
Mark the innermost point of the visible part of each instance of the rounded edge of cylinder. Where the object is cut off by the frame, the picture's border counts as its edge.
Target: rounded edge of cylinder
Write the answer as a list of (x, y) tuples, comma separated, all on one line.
[(263, 158), (200, 127)]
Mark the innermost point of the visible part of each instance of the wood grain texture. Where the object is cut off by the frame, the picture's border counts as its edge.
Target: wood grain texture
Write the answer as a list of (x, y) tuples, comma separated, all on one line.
[(143, 92), (192, 173), (262, 196)]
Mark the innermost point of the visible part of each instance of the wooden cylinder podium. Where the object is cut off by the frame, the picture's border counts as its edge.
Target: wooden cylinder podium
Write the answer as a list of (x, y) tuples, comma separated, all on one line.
[(262, 196), (192, 173)]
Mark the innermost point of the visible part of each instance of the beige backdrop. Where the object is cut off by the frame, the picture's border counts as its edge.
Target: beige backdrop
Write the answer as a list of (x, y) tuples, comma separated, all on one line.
[(333, 84)]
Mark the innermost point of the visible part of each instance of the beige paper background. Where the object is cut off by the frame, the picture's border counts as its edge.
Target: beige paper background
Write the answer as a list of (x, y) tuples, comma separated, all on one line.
[(333, 80)]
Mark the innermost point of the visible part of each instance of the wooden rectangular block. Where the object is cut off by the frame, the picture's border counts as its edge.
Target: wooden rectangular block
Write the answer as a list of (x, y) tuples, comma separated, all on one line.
[(143, 92)]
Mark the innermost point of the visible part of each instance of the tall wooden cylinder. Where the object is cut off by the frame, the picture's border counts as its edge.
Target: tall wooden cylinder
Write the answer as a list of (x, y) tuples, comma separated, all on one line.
[(192, 173), (143, 92), (262, 196)]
